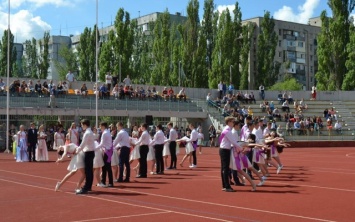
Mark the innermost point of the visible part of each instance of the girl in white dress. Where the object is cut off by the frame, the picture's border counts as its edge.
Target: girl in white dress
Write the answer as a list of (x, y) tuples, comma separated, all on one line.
[(200, 138), (21, 149), (166, 153), (98, 164), (134, 155), (151, 156), (74, 134), (58, 139), (76, 164), (188, 148), (41, 151)]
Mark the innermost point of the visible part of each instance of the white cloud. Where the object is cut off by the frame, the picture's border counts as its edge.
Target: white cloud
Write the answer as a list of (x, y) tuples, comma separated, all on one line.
[(303, 14), (24, 25), (37, 3), (221, 8)]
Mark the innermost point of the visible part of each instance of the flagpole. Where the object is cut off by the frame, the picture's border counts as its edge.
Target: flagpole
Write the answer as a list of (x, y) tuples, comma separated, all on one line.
[(96, 64), (8, 85)]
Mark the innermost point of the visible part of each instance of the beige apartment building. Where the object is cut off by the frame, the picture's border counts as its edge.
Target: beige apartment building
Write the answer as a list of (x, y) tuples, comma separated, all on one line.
[(296, 50)]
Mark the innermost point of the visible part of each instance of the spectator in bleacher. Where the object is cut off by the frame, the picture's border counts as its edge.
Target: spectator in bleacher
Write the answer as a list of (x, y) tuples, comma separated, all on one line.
[(289, 128), (121, 93), (284, 96), (208, 97), (311, 125), (70, 78), (226, 109), (314, 92), (154, 93), (290, 99), (230, 89), (142, 93), (262, 91), (45, 88), (325, 113), (38, 88), (332, 114), (276, 113), (297, 126), (127, 81), (84, 90), (171, 94), (303, 105), (182, 94), (52, 94), (127, 92), (2, 87), (279, 131), (103, 92), (108, 80), (30, 87), (59, 90), (286, 116), (262, 107), (164, 94), (23, 87), (224, 87), (285, 106), (65, 87), (280, 97), (250, 111), (252, 98), (246, 97), (131, 91), (220, 89), (338, 127), (272, 106), (329, 125), (319, 122)]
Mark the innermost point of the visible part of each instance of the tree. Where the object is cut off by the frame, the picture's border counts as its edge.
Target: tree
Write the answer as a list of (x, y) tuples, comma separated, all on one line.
[(238, 44), (29, 59), (208, 29), (43, 63), (248, 31), (332, 43), (67, 60), (349, 80), (105, 59), (3, 55), (87, 55), (267, 40), (289, 84)]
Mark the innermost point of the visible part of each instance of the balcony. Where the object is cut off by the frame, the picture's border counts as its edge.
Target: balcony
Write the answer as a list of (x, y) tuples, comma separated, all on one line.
[(291, 48), (301, 60), (300, 72), (289, 37), (301, 38)]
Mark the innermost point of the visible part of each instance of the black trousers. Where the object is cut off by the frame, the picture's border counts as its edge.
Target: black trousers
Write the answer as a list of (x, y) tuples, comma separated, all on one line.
[(32, 151), (143, 152), (106, 169), (225, 161), (159, 158), (194, 158), (89, 174), (124, 162), (172, 149)]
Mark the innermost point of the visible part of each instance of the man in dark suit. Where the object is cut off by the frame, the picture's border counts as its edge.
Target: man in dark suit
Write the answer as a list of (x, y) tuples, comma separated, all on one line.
[(32, 142)]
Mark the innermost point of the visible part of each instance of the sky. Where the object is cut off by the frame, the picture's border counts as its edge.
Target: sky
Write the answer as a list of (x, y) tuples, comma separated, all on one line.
[(30, 18)]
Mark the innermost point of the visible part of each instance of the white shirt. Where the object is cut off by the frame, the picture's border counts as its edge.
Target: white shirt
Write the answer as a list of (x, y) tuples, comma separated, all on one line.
[(106, 140), (337, 125), (258, 134), (243, 136), (228, 140), (159, 138), (266, 131), (121, 140), (235, 134), (172, 135), (220, 87), (193, 137), (108, 79), (88, 142), (70, 77), (200, 136), (144, 139), (127, 81)]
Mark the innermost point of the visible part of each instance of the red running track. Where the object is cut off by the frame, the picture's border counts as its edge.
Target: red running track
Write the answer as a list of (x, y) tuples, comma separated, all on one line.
[(315, 185)]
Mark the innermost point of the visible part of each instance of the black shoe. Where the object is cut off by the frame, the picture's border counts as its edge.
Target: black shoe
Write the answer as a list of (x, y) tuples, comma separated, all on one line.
[(169, 168), (126, 181), (81, 191), (239, 184), (110, 185), (140, 176), (160, 173), (230, 190), (119, 180), (231, 183)]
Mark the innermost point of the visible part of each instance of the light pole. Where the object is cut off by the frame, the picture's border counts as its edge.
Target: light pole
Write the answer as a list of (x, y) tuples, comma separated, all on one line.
[(96, 64), (230, 73), (8, 85), (120, 57), (179, 73)]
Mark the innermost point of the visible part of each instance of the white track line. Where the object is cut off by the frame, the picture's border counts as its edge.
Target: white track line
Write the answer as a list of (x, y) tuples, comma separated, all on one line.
[(127, 216), (197, 201), (125, 203)]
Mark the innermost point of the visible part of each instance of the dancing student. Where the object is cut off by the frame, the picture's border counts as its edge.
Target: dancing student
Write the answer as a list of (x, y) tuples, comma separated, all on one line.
[(226, 140), (143, 141), (41, 151), (234, 173), (107, 149), (98, 163), (58, 140), (193, 140), (32, 142), (151, 157), (74, 134), (114, 159), (122, 143), (67, 139), (172, 146), (21, 150), (273, 141), (188, 148), (88, 147), (158, 140), (259, 155), (200, 138), (76, 164), (134, 155)]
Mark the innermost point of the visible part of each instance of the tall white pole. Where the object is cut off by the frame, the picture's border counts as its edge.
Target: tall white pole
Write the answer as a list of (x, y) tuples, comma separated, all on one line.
[(8, 85), (96, 64)]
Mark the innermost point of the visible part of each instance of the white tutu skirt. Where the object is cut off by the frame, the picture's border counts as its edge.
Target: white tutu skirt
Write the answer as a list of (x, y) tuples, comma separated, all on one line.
[(239, 162), (258, 156), (76, 162), (99, 159), (114, 158), (199, 142), (151, 154), (189, 148), (166, 150), (134, 155)]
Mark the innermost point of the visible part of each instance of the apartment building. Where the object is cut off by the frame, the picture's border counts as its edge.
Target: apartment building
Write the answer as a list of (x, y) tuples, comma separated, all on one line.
[(296, 50)]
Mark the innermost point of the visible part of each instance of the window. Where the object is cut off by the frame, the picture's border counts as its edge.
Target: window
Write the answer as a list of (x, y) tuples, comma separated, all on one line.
[(280, 32), (291, 55), (311, 79), (311, 69), (290, 43), (280, 54), (300, 44), (311, 57), (310, 47), (280, 43)]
